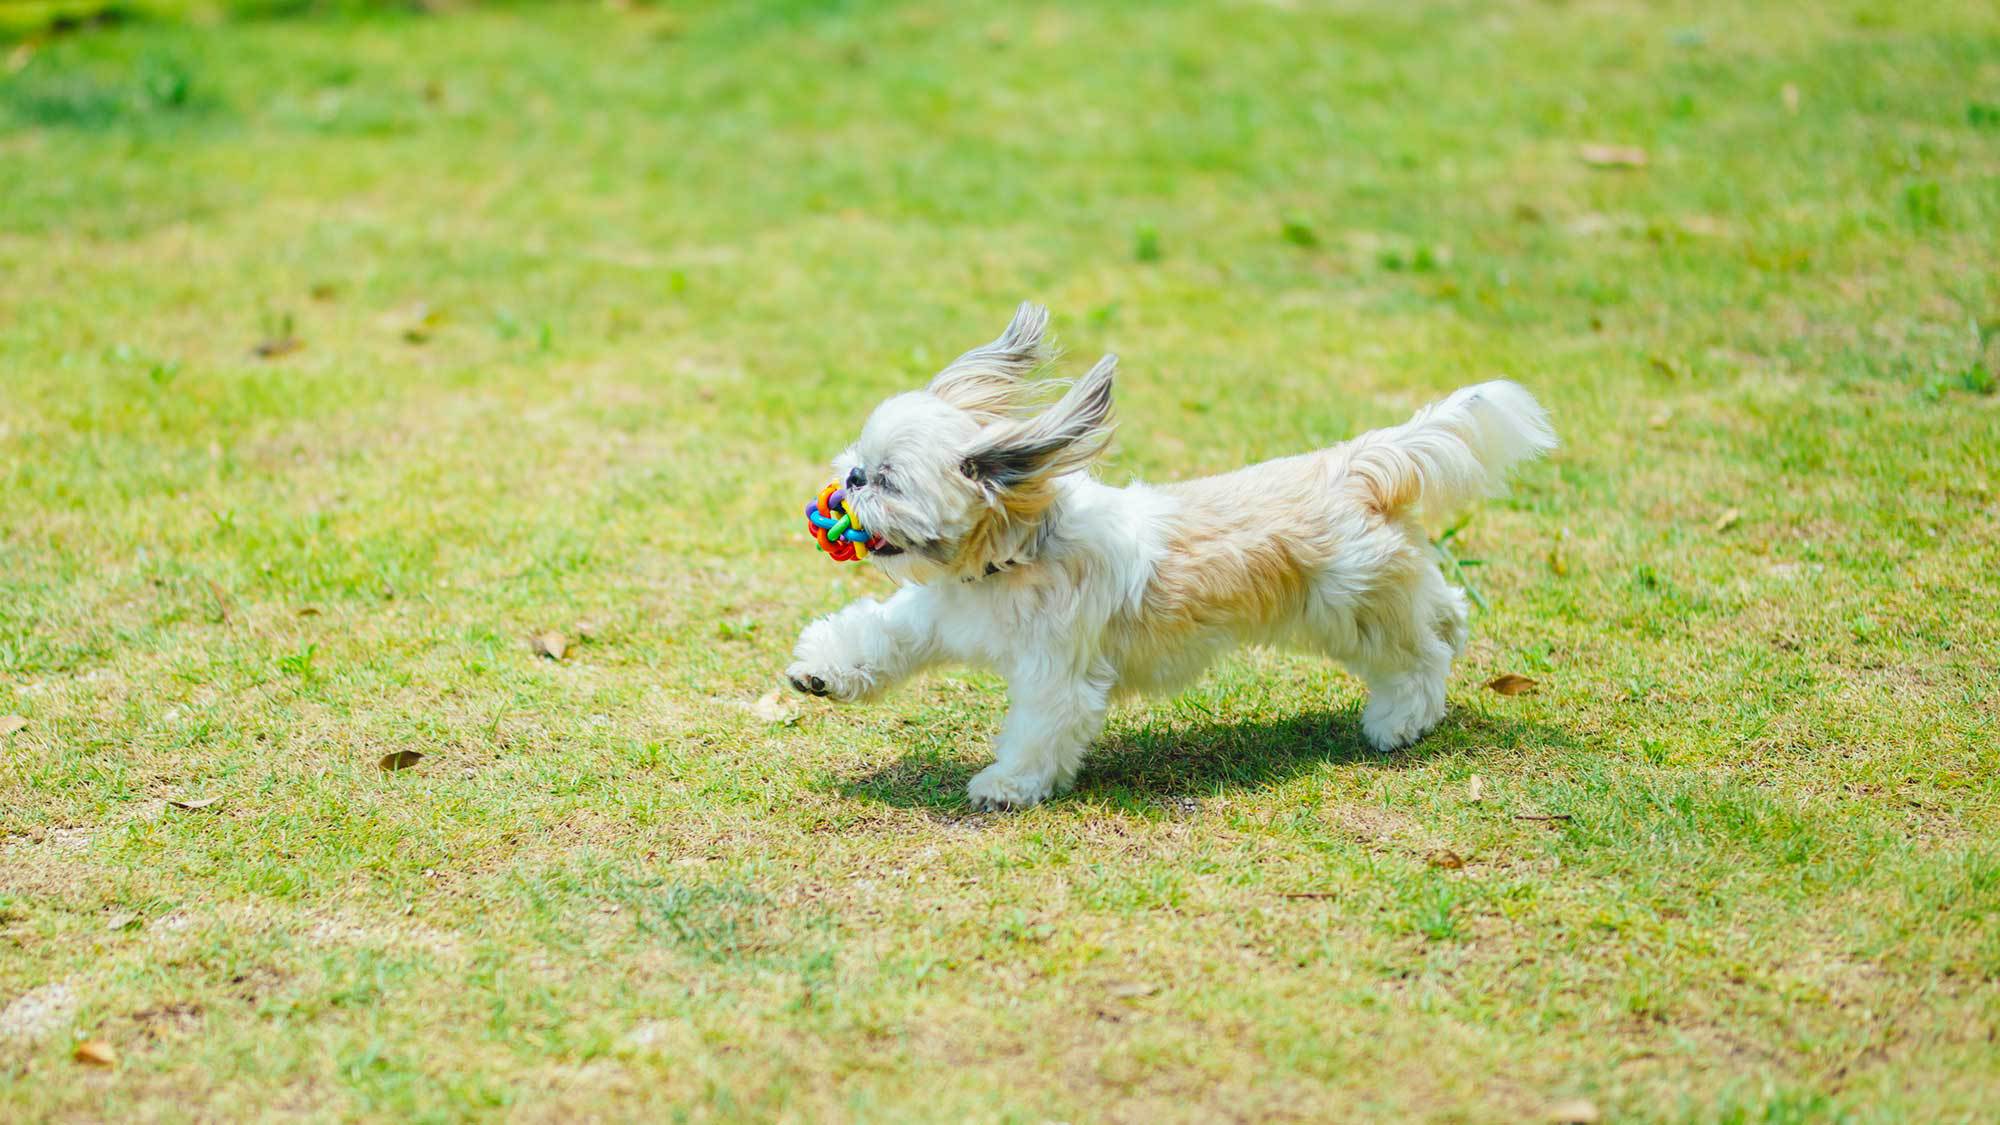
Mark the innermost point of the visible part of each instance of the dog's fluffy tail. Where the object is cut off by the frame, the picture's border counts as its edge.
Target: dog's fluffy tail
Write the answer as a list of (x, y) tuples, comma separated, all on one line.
[(1452, 453)]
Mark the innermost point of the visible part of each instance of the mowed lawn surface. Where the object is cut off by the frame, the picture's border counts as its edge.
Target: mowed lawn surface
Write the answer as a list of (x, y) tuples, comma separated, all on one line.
[(564, 310)]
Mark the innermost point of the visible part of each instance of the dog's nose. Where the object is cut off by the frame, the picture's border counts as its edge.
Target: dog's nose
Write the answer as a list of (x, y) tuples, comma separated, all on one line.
[(856, 477)]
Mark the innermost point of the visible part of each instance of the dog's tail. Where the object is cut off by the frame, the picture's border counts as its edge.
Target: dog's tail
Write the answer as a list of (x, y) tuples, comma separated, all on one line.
[(1452, 453)]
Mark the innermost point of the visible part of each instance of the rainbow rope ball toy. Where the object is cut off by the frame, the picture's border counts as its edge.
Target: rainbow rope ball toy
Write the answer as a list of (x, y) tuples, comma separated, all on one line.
[(836, 528)]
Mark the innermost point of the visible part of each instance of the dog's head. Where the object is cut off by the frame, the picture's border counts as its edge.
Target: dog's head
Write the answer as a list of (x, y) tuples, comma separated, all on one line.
[(957, 477)]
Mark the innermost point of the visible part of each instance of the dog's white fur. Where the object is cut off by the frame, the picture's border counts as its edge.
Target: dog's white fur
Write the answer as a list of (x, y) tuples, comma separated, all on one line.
[(1016, 559)]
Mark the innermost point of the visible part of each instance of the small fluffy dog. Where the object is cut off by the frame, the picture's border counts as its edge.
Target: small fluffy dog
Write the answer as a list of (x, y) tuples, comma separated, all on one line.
[(1011, 557)]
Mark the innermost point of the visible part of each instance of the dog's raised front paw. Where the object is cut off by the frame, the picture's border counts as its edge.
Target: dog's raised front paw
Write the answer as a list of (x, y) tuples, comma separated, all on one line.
[(845, 686), (993, 789), (823, 665)]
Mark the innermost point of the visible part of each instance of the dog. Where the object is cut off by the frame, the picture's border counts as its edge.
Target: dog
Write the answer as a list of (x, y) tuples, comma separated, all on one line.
[(1011, 556)]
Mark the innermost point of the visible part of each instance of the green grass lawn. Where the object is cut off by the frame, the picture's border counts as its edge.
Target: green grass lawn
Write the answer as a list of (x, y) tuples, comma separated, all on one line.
[(563, 311)]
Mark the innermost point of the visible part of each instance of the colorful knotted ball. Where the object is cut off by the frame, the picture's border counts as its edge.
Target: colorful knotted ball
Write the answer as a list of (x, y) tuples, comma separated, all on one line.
[(835, 526)]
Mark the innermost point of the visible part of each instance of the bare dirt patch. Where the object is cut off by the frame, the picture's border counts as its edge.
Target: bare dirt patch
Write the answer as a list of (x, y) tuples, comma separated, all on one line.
[(38, 1011)]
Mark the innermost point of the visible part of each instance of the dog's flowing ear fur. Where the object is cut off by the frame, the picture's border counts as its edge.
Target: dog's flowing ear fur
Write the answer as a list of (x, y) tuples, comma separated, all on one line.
[(990, 382), (1014, 461)]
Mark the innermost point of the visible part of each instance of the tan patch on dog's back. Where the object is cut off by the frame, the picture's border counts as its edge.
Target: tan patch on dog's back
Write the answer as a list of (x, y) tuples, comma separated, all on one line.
[(1244, 547)]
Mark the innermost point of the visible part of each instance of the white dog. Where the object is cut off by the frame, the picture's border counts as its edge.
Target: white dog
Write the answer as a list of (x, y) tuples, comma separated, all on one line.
[(1011, 557)]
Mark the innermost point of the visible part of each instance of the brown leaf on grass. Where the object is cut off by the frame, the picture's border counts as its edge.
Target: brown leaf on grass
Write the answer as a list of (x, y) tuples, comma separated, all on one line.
[(195, 806), (419, 321), (1475, 789), (1659, 419), (550, 644), (1131, 990), (400, 760), (122, 922), (1728, 519), (1445, 858), (10, 724), (1612, 156), (1574, 1111), (309, 611), (1512, 684), (95, 1052), (277, 346)]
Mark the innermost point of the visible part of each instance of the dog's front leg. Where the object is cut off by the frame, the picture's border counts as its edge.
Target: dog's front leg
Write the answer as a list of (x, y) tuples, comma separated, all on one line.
[(866, 648), (1051, 720)]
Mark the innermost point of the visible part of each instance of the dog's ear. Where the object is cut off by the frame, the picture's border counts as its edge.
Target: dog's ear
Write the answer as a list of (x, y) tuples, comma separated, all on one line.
[(1061, 439), (990, 381)]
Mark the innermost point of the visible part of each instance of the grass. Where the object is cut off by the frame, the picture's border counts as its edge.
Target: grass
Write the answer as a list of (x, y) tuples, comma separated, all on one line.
[(562, 311)]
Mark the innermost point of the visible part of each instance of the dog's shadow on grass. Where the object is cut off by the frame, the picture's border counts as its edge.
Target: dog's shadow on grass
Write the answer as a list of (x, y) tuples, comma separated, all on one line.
[(1145, 765)]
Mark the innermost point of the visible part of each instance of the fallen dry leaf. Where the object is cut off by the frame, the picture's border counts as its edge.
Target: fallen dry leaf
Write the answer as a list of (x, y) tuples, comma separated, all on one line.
[(1790, 95), (11, 723), (423, 321), (772, 708), (194, 806), (1659, 419), (1574, 1111), (1475, 789), (550, 644), (95, 1052), (400, 760), (1511, 684), (277, 346), (309, 611), (122, 922), (1131, 990), (1445, 858), (1728, 519), (1613, 156)]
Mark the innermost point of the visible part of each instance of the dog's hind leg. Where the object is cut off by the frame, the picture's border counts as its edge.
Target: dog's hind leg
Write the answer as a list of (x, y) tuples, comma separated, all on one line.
[(1405, 698), (1403, 646)]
